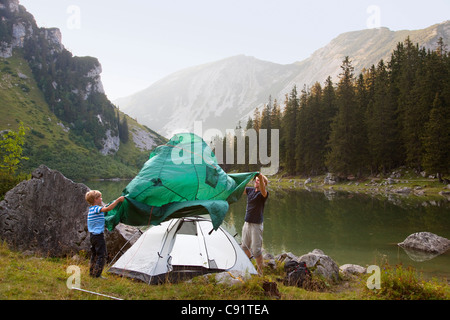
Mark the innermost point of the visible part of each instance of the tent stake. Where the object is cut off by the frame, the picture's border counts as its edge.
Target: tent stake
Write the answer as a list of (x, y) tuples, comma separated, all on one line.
[(99, 294)]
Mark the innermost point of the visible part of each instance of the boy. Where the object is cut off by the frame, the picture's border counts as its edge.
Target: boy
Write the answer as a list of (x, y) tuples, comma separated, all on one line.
[(96, 226), (252, 231)]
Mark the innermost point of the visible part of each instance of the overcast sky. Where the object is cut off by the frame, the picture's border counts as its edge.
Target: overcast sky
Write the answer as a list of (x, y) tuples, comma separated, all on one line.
[(141, 41)]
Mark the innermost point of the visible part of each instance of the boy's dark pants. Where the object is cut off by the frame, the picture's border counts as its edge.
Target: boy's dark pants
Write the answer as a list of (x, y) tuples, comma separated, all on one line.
[(98, 254)]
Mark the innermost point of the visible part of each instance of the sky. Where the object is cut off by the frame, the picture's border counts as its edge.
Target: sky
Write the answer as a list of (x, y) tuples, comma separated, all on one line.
[(139, 42)]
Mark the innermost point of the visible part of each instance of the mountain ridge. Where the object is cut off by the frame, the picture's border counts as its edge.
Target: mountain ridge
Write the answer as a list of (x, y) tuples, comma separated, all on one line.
[(216, 99)]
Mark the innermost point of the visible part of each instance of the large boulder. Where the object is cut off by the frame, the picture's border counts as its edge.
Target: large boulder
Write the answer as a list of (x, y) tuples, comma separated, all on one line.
[(421, 246), (321, 264), (45, 214), (48, 215)]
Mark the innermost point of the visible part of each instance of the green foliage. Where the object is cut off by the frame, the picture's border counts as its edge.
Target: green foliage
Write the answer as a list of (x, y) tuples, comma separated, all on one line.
[(11, 150), (68, 84), (7, 182), (400, 283), (59, 145), (347, 127), (123, 129)]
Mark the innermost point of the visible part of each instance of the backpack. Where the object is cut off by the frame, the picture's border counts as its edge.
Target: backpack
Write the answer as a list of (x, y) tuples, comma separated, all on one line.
[(296, 273)]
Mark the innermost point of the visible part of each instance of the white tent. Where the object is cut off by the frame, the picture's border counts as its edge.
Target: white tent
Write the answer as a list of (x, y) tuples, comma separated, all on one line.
[(181, 248)]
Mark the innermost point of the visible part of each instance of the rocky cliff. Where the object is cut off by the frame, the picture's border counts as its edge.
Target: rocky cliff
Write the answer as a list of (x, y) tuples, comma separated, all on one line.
[(60, 98)]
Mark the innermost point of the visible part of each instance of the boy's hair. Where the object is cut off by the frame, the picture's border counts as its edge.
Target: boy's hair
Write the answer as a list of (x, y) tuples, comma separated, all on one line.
[(92, 195)]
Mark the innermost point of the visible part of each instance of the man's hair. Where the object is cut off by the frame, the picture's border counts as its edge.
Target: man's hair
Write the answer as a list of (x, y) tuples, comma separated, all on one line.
[(92, 195)]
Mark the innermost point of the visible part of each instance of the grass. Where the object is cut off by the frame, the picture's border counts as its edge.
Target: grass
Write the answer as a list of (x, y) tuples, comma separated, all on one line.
[(400, 283), (30, 277)]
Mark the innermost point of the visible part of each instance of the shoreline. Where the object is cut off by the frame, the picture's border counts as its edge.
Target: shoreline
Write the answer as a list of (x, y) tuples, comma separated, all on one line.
[(406, 188)]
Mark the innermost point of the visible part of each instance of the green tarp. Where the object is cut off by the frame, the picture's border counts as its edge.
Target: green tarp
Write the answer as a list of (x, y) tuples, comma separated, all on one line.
[(181, 178)]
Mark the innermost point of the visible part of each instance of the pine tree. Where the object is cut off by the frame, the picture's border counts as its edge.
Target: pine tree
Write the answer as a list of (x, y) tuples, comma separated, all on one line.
[(256, 119), (362, 96), (302, 132), (410, 114), (289, 124), (341, 158), (315, 157), (123, 130), (382, 123), (436, 139), (249, 124), (276, 116)]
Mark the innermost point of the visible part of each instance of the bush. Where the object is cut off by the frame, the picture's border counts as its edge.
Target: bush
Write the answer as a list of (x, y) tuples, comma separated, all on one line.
[(399, 283), (7, 182)]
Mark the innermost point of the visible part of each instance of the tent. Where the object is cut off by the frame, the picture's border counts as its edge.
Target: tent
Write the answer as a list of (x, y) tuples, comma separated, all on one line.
[(182, 248), (181, 178)]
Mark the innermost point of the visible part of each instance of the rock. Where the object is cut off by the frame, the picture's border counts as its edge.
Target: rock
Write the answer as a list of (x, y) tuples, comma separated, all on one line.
[(47, 215), (120, 240), (390, 180), (285, 257), (269, 259), (329, 179), (404, 190), (352, 269), (426, 242), (321, 264)]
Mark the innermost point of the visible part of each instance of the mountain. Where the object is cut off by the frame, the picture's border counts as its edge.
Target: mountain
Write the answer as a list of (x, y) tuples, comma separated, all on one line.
[(222, 93), (365, 48), (72, 126), (217, 94)]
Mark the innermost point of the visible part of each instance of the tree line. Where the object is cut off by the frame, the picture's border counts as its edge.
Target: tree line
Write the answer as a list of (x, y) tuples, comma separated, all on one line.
[(395, 113)]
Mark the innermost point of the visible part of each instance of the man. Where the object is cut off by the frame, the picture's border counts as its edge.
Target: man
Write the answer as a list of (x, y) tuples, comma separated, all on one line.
[(252, 231)]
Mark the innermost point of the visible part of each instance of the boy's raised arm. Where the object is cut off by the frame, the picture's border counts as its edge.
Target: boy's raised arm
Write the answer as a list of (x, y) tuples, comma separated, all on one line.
[(113, 205)]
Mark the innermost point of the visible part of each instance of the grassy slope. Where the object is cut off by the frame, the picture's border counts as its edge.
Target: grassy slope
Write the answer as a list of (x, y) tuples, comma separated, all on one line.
[(21, 100)]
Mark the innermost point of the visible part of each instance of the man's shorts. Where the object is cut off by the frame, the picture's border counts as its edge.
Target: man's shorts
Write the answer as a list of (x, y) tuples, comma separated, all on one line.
[(252, 238)]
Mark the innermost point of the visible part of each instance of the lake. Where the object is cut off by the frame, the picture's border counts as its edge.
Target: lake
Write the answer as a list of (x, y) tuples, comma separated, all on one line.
[(350, 228)]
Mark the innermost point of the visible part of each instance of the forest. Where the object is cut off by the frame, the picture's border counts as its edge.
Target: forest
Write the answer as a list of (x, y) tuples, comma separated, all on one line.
[(394, 114)]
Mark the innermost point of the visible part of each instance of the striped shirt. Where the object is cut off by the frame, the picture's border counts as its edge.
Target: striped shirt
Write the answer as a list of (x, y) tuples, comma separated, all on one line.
[(96, 220)]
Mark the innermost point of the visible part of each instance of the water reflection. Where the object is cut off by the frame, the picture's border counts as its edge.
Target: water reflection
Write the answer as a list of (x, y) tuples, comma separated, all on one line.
[(350, 228)]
